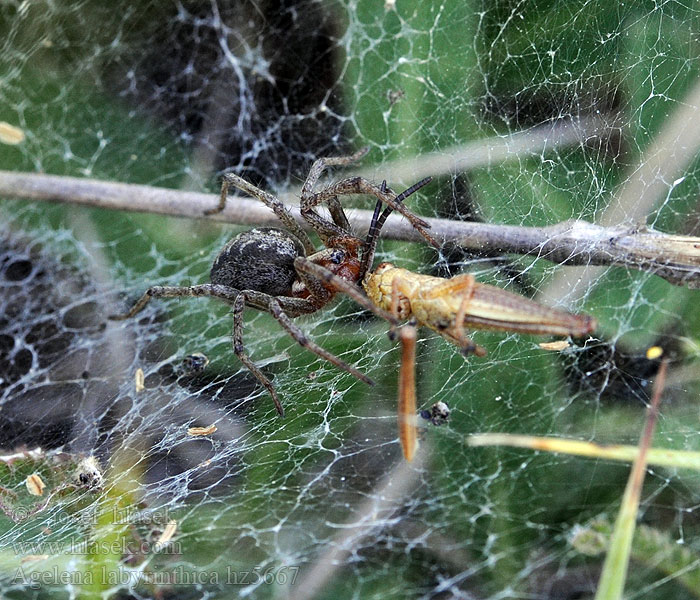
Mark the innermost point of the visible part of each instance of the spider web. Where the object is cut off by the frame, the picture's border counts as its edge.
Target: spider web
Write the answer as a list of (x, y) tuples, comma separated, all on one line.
[(321, 504)]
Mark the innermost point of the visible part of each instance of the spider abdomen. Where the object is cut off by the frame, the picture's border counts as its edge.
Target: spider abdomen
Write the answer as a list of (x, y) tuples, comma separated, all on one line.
[(261, 259)]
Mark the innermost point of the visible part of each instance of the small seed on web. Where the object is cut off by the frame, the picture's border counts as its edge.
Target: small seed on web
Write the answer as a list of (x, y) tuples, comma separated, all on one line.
[(11, 135), (33, 558), (139, 380), (555, 346), (194, 431), (167, 534), (35, 485)]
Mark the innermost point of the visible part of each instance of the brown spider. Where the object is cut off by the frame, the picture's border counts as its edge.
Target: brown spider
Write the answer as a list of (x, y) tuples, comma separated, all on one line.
[(280, 272)]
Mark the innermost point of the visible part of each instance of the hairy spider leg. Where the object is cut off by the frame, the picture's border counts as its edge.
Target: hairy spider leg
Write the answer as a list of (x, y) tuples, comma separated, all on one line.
[(239, 299), (338, 214), (259, 300), (359, 185), (305, 342), (272, 202), (239, 351), (340, 226), (221, 292), (297, 334), (320, 164), (342, 285), (325, 229)]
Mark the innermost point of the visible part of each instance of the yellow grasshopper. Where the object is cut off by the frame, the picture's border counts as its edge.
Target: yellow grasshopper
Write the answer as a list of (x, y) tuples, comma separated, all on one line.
[(448, 307)]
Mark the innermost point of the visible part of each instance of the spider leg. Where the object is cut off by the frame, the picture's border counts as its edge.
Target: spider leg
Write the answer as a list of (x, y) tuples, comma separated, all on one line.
[(324, 228), (329, 161), (293, 307), (359, 185), (407, 336), (338, 214), (281, 308), (229, 295), (277, 312), (340, 225), (407, 392), (221, 292), (273, 203), (239, 351)]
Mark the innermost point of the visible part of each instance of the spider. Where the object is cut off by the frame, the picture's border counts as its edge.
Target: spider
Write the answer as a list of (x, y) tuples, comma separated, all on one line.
[(277, 270)]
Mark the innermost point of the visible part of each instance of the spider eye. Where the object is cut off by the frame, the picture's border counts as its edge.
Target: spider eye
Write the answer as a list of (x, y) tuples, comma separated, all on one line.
[(337, 257)]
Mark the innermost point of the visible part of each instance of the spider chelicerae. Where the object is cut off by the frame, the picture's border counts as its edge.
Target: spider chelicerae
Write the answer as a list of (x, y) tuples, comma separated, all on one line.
[(279, 271)]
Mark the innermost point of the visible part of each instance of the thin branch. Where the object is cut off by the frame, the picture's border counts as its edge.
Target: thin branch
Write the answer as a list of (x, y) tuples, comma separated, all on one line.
[(35, 454), (661, 167), (675, 258)]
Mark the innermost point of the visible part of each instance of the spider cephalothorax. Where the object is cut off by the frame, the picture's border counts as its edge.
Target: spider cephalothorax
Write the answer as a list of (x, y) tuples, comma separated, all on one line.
[(281, 272)]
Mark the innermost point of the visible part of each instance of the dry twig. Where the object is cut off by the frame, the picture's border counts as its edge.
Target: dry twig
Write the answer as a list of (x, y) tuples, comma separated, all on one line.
[(675, 258)]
